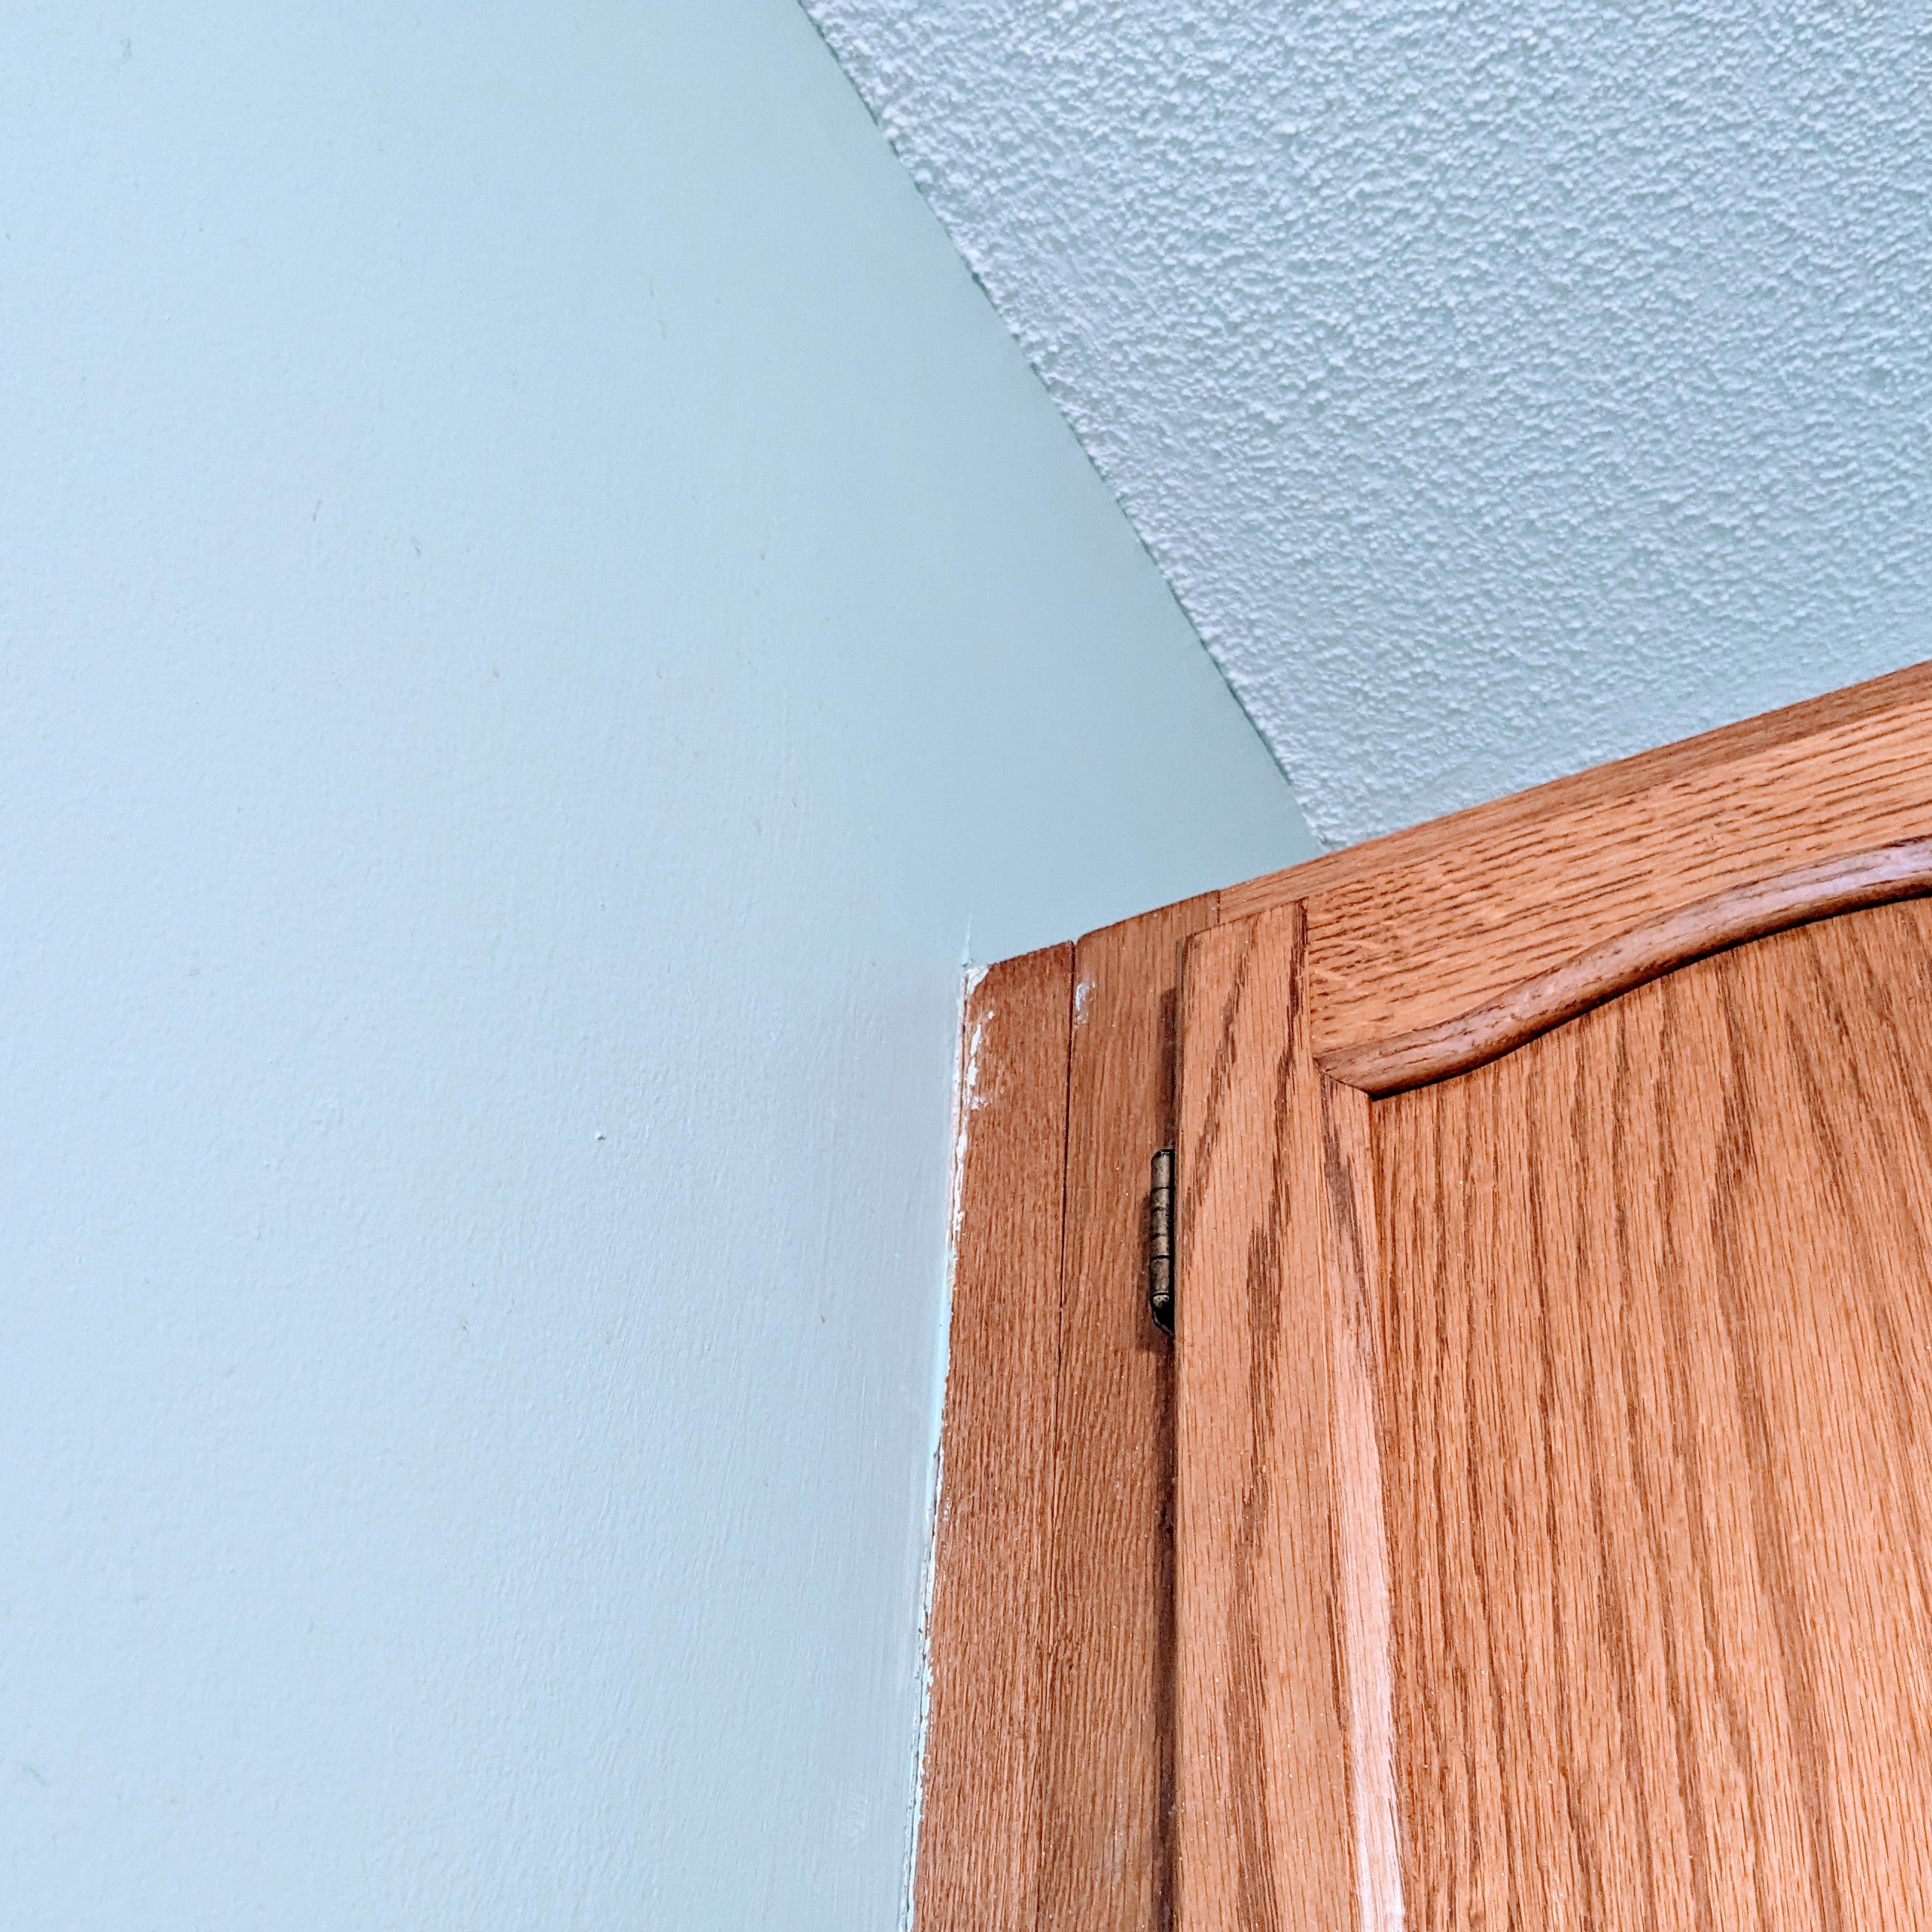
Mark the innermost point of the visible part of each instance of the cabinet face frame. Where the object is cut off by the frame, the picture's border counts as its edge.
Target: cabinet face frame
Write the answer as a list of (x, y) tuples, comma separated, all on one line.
[(1406, 958)]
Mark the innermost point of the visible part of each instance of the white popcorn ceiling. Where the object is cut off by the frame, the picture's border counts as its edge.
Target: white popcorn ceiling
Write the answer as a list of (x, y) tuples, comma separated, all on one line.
[(1502, 388)]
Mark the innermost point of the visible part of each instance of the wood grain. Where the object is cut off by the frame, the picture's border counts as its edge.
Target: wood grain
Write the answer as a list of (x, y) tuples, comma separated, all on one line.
[(1656, 1353), (1628, 959), (1107, 1853), (1415, 928), (1530, 908), (980, 1835), (1348, 1238), (1401, 936), (1423, 942), (1264, 1717), (1816, 744)]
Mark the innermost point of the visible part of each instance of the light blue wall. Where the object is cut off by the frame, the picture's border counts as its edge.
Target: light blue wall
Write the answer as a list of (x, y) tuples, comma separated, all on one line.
[(540, 614)]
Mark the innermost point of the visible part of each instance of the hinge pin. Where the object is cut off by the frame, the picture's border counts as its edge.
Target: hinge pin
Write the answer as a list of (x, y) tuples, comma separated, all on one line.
[(1160, 1241)]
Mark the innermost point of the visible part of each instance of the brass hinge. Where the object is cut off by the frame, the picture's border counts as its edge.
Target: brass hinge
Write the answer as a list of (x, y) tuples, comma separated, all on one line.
[(1160, 1241)]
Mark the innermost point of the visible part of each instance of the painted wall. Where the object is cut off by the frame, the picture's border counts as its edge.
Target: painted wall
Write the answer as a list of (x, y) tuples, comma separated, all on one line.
[(1503, 387), (540, 616)]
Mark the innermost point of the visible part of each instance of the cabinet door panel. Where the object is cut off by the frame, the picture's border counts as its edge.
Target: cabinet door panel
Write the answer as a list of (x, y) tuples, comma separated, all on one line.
[(1553, 1509), (1654, 1354)]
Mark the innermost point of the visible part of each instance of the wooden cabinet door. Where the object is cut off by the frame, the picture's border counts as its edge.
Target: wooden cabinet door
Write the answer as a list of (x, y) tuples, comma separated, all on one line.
[(1554, 1541)]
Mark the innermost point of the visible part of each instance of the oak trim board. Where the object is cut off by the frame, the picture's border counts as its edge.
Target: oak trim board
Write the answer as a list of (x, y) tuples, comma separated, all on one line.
[(1047, 1775), (1107, 1851), (1254, 1543), (1285, 1750), (978, 1851)]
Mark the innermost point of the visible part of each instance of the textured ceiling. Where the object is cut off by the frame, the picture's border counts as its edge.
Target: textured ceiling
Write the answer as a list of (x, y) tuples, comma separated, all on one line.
[(1502, 388)]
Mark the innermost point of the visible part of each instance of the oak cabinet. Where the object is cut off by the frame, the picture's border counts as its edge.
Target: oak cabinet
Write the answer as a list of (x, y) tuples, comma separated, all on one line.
[(1529, 1525)]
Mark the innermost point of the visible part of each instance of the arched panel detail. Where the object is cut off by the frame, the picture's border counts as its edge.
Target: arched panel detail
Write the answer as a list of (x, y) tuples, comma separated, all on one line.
[(1887, 873)]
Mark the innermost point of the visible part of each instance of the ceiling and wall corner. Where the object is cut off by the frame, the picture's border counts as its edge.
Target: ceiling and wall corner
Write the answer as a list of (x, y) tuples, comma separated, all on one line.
[(539, 608), (1501, 390)]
